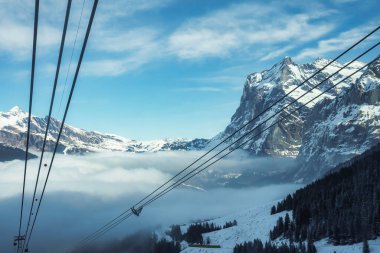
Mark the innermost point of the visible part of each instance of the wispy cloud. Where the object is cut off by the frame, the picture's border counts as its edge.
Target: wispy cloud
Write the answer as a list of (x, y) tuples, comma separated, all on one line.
[(119, 47), (339, 43), (221, 33), (124, 51), (227, 79), (16, 27), (94, 173), (227, 32), (276, 53), (123, 8)]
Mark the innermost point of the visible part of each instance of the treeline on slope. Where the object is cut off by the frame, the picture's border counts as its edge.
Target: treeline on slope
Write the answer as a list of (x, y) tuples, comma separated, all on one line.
[(8, 153), (194, 232), (258, 247), (344, 206), (142, 242)]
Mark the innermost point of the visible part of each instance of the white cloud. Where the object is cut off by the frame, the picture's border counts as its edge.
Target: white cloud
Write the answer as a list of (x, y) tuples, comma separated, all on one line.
[(121, 48), (101, 174), (116, 41), (114, 66), (276, 53), (124, 51), (339, 43), (104, 174), (188, 44), (16, 27), (16, 24), (226, 31), (84, 192), (122, 8), (222, 33), (15, 39)]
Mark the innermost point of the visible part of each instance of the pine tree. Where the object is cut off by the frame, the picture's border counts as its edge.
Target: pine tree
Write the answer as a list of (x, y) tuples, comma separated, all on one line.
[(273, 210), (365, 246)]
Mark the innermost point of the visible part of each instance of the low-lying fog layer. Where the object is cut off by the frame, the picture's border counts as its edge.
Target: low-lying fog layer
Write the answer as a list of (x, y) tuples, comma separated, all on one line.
[(86, 191)]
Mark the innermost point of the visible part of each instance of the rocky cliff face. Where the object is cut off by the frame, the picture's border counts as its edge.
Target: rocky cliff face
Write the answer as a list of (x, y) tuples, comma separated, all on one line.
[(337, 126), (338, 129), (262, 89), (13, 128)]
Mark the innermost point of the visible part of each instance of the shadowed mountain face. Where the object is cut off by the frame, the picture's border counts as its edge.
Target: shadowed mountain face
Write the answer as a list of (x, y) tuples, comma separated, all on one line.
[(8, 153), (337, 130)]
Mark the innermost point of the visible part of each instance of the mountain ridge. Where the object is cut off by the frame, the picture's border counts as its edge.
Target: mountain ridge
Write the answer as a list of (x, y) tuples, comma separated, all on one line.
[(317, 136), (292, 136), (13, 127)]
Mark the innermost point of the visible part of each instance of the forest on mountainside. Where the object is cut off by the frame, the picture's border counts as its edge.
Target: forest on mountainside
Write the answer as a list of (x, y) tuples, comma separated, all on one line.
[(343, 206), (256, 246)]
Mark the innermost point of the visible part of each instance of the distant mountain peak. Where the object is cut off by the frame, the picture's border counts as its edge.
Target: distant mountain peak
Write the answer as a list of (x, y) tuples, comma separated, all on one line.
[(321, 59), (287, 61), (15, 110), (13, 126)]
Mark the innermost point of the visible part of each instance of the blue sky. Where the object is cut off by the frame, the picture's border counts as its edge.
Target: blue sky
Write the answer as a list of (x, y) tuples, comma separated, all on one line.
[(167, 68)]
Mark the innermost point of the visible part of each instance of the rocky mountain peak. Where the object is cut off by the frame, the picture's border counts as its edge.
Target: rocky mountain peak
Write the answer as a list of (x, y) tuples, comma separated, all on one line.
[(15, 110), (375, 68), (303, 131), (287, 61)]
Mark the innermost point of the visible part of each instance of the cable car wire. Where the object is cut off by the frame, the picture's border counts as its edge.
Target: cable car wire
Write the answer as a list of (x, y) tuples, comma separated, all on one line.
[(67, 16), (35, 33), (65, 113), (48, 157), (71, 58)]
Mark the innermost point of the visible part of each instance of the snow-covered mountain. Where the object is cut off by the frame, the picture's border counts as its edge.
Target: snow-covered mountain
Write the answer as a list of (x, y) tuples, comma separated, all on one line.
[(338, 125), (322, 134), (263, 89), (13, 127), (337, 130)]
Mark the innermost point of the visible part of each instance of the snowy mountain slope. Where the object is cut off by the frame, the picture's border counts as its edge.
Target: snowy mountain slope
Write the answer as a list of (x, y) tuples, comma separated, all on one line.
[(324, 133), (256, 223), (262, 89), (337, 130), (253, 223), (13, 127), (328, 211)]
